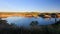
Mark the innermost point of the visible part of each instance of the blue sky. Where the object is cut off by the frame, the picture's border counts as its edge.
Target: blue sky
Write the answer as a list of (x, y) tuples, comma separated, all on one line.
[(29, 5)]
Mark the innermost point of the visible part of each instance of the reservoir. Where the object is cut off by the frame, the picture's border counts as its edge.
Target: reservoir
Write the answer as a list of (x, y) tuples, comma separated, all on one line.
[(23, 21)]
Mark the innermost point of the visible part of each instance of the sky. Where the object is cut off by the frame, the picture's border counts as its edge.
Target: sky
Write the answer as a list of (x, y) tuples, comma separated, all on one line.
[(30, 5)]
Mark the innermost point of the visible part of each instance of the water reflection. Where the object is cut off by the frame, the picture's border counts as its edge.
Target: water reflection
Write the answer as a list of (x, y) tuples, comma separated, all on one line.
[(22, 21)]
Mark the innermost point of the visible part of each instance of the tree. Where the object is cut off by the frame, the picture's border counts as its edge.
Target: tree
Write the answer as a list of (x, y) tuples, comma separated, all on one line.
[(53, 15), (41, 15), (3, 21), (4, 24), (34, 23)]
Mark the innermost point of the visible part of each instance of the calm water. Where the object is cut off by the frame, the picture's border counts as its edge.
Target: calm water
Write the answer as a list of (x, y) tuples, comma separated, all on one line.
[(22, 21)]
